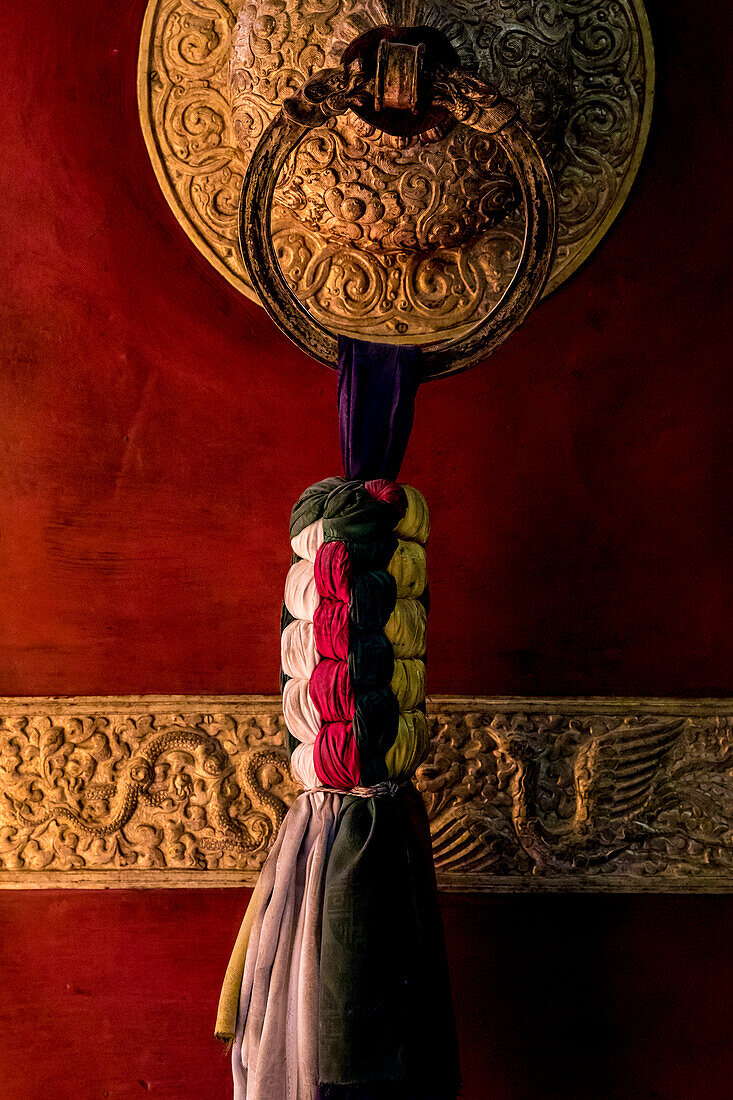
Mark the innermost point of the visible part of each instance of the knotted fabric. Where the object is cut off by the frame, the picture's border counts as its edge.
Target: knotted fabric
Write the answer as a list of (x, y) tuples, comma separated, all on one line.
[(343, 984)]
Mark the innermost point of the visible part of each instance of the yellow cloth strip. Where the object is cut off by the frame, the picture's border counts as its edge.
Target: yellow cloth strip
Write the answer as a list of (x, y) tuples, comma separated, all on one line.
[(226, 1015), (407, 629), (415, 524), (409, 569), (408, 684), (411, 746)]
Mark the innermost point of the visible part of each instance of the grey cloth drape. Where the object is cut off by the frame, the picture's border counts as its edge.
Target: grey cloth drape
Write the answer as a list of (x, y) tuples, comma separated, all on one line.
[(275, 1052)]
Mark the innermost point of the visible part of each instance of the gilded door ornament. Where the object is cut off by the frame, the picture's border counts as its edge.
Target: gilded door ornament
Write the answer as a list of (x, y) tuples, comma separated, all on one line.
[(421, 95), (379, 235)]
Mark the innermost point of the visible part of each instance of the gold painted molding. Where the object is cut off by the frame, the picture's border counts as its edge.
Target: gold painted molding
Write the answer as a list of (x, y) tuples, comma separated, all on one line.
[(522, 794)]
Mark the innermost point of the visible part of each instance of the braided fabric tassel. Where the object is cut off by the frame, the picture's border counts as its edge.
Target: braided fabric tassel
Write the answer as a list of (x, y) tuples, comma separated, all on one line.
[(335, 993), (339, 971), (354, 637)]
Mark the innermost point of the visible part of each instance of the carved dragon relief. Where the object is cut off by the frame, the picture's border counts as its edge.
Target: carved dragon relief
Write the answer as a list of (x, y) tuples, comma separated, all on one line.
[(587, 794), (146, 790)]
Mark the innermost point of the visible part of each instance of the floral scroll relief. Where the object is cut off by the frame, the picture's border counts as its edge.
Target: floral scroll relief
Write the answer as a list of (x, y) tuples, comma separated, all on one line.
[(426, 238)]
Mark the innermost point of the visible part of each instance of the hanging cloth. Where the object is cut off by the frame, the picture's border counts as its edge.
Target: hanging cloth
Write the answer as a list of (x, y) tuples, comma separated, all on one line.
[(377, 386), (386, 1025), (340, 976)]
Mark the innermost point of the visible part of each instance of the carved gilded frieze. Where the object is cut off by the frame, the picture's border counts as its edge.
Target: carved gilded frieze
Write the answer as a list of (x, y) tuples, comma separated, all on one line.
[(377, 236), (522, 794), (148, 785), (601, 793)]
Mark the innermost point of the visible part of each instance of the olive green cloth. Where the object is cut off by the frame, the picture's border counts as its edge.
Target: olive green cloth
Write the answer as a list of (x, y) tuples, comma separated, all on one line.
[(385, 1013), (352, 515)]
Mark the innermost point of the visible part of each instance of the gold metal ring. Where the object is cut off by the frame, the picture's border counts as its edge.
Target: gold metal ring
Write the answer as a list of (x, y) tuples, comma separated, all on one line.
[(333, 92)]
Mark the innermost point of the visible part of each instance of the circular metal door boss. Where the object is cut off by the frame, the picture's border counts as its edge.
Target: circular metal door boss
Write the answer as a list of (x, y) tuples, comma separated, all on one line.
[(396, 162)]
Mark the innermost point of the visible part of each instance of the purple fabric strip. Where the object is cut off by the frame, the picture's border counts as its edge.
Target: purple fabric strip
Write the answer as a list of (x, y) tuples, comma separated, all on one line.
[(377, 385)]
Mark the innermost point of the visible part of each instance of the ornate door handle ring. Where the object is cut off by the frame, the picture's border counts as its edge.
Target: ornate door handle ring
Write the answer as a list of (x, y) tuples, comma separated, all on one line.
[(470, 101)]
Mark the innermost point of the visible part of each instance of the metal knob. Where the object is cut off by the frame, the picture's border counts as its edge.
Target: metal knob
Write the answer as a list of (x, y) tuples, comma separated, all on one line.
[(399, 76)]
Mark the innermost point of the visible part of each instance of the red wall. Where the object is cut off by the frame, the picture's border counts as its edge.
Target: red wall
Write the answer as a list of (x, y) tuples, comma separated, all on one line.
[(153, 441), (113, 994), (154, 434)]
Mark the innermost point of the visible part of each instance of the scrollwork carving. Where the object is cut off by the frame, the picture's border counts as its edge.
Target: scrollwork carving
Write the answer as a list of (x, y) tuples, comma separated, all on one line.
[(521, 794), (581, 72), (89, 791)]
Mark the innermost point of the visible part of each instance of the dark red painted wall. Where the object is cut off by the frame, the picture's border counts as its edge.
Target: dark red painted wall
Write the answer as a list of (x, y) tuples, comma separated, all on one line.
[(156, 428), (557, 998), (152, 442)]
